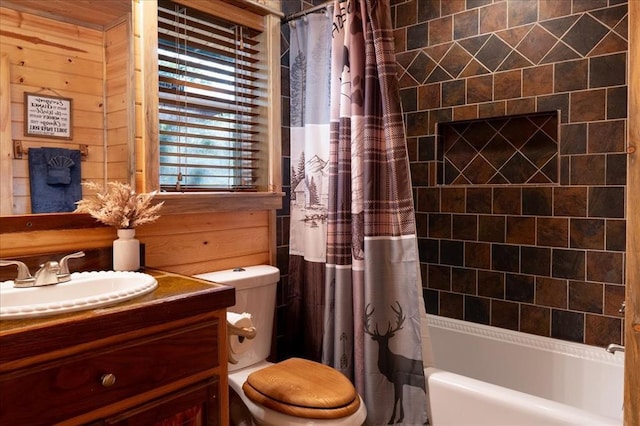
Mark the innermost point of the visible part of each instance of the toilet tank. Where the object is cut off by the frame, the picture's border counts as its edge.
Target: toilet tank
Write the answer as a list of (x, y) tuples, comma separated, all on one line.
[(255, 294)]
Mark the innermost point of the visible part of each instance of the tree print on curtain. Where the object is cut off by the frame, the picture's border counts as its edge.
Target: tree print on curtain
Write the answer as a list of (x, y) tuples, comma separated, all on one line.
[(374, 306)]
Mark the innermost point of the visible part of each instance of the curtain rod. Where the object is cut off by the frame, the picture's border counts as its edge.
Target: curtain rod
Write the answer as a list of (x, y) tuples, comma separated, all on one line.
[(305, 12)]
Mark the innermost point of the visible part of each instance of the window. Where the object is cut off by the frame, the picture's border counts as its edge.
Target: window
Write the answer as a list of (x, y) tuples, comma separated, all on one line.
[(211, 90)]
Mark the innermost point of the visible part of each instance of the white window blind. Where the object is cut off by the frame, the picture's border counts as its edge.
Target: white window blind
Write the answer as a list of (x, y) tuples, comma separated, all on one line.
[(211, 91)]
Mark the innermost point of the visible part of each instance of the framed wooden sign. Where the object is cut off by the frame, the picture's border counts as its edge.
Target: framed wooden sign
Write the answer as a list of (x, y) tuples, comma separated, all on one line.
[(47, 116)]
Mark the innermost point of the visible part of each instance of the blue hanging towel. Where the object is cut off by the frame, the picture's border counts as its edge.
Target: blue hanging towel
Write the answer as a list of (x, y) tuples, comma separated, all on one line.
[(54, 179)]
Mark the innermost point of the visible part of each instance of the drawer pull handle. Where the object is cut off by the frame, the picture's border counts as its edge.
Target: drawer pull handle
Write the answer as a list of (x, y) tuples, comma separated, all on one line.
[(108, 380)]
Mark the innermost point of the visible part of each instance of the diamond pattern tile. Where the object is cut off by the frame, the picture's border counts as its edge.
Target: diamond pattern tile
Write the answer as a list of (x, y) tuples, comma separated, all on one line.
[(520, 149), (591, 33)]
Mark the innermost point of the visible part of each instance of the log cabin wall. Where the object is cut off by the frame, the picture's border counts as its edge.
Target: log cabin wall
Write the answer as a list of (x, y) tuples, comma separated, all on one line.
[(186, 243), (52, 58)]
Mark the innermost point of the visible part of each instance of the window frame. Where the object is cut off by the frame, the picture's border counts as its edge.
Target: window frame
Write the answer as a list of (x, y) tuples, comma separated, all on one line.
[(269, 194)]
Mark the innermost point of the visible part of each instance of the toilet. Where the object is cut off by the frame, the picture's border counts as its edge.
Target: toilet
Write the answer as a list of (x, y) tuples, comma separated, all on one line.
[(291, 392)]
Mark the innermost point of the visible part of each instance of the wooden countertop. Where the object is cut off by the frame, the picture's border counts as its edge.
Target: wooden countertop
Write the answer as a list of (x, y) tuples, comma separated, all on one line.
[(177, 297)]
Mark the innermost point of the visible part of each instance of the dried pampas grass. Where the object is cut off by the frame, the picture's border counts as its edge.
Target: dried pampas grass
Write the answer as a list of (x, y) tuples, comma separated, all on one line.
[(119, 206)]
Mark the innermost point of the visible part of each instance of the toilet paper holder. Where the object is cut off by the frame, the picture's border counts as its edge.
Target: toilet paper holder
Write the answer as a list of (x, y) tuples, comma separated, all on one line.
[(242, 333)]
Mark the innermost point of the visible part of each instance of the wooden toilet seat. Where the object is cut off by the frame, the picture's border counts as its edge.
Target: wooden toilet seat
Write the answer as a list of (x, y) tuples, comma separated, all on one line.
[(303, 388)]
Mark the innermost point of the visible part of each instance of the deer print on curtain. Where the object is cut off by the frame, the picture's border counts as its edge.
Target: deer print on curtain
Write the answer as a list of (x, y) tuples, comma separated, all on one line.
[(372, 255)]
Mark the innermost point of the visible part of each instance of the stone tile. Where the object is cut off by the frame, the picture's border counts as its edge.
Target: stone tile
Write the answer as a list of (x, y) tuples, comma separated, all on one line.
[(573, 138), (567, 325), (537, 201), (521, 230), (559, 26), (514, 61), (491, 229), (453, 93), (465, 227), (428, 199), (555, 102), (613, 298), (540, 148), (473, 68), (429, 250), (465, 24), (480, 89), (421, 66), (492, 109), (553, 232), (477, 255), (586, 5), (463, 281), (611, 16), (608, 70), (477, 3), (455, 60), (521, 106), (616, 102), (477, 309), (505, 314), (536, 44), (452, 200), (507, 201), (537, 80), (479, 200), (440, 225), (493, 53), (568, 264), (493, 18), (439, 277), (605, 267), (428, 10), (417, 36), (440, 30), (585, 34), (519, 288), (551, 292), (535, 260), (606, 202), (431, 301), (571, 75), (586, 297), (611, 43), (570, 201), (616, 235), (548, 9), (507, 85), (520, 13), (406, 14), (560, 52), (451, 253), (491, 284), (587, 233), (505, 258), (588, 170), (513, 36), (535, 320), (429, 96), (588, 105), (465, 112), (606, 137), (473, 44), (453, 6), (451, 305), (601, 330)]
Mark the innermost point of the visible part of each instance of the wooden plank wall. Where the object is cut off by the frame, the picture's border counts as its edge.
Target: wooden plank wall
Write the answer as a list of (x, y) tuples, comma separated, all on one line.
[(56, 59), (181, 243)]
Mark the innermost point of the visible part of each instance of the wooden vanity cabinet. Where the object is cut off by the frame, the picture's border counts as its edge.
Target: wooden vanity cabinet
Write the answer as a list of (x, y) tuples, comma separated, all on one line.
[(159, 359)]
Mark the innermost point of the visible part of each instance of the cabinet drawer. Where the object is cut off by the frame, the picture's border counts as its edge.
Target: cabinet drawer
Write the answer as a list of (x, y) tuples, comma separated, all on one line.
[(79, 384)]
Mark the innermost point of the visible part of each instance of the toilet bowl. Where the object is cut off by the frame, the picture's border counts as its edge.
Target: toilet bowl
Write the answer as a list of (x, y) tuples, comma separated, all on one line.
[(292, 392)]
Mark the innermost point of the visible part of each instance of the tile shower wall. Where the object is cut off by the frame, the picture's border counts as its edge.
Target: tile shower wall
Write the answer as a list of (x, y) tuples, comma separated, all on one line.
[(543, 259)]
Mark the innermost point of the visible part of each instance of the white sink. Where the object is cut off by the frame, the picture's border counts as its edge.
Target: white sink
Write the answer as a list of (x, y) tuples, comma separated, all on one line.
[(86, 290)]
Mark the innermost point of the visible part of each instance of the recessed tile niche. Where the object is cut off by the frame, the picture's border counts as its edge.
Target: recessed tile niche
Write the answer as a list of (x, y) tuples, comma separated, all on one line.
[(518, 149)]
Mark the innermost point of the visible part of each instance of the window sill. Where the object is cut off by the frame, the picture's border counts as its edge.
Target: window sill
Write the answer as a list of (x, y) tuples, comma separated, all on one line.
[(203, 202)]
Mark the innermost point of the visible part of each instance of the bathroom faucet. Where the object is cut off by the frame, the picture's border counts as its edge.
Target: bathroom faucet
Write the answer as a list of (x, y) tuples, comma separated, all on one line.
[(613, 348), (47, 274), (50, 272)]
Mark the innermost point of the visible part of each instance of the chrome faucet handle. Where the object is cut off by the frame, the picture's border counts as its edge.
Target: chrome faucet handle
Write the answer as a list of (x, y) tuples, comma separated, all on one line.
[(622, 307), (47, 274), (64, 275), (24, 278), (613, 348)]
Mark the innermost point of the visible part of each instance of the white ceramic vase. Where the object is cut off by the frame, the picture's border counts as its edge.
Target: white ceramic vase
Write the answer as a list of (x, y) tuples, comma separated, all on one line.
[(126, 251)]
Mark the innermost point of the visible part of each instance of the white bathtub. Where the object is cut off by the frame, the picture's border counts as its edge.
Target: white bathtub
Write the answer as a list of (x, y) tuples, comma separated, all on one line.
[(491, 376)]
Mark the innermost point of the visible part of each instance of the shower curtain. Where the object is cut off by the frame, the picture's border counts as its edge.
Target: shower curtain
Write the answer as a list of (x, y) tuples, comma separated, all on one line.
[(372, 327)]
